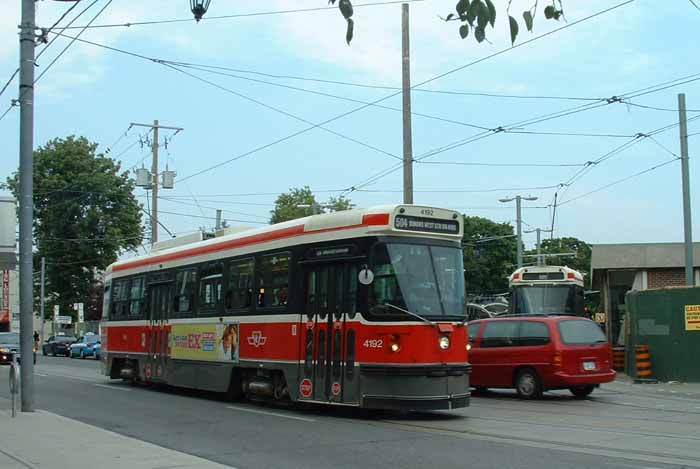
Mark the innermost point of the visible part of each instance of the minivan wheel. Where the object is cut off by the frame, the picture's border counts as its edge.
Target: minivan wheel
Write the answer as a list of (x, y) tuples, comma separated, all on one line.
[(581, 391), (527, 384)]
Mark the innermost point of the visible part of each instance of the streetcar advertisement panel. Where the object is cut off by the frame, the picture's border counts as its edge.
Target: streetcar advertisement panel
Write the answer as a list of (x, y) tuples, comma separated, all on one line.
[(207, 342)]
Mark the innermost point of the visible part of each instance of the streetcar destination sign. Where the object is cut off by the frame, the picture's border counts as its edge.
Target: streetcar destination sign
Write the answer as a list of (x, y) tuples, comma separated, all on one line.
[(426, 225)]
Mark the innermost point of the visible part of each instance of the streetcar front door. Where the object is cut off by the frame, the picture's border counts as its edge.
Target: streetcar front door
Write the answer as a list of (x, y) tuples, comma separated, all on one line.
[(328, 369), (158, 347)]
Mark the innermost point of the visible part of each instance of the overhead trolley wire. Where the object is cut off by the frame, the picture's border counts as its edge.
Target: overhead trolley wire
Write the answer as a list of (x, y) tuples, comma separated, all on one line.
[(66, 13), (619, 181), (242, 15), (60, 54)]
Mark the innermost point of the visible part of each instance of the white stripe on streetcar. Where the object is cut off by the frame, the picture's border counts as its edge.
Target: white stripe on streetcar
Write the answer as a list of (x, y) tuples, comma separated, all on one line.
[(273, 414)]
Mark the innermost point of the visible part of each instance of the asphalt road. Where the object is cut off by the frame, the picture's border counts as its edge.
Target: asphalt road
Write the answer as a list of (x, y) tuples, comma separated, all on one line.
[(617, 427)]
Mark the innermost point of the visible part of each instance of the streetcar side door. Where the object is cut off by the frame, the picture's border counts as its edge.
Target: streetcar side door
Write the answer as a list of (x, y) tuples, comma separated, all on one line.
[(328, 345), (159, 330)]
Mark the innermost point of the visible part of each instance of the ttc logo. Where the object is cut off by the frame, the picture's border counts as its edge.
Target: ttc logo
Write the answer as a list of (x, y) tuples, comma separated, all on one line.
[(256, 339)]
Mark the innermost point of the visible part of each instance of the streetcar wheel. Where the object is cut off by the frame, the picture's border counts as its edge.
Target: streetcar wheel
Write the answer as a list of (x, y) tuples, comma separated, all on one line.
[(581, 391), (528, 384)]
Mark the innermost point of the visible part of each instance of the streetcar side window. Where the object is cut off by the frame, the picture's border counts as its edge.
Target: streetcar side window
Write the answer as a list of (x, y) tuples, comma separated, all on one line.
[(138, 297), (239, 291), (210, 289), (120, 299), (185, 288), (273, 280)]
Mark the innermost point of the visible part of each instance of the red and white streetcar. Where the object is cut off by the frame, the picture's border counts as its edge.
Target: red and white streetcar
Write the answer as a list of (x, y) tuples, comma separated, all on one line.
[(360, 307)]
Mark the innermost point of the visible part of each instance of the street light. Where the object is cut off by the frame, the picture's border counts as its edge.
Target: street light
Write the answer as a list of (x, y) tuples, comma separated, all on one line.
[(518, 220), (199, 8)]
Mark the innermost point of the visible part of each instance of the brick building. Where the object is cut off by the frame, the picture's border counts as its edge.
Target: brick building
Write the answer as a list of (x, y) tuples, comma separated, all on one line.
[(619, 268)]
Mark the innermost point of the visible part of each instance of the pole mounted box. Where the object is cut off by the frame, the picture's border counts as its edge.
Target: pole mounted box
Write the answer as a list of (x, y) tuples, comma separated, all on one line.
[(8, 230)]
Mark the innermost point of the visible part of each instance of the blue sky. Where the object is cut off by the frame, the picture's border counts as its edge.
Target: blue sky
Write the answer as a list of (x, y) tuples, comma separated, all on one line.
[(96, 93)]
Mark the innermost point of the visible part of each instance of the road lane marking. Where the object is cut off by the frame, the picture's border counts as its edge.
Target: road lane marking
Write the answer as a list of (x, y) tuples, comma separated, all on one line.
[(112, 386), (273, 414)]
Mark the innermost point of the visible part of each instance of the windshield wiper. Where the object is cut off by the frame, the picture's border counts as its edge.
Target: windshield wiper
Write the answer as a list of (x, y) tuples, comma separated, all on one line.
[(411, 314)]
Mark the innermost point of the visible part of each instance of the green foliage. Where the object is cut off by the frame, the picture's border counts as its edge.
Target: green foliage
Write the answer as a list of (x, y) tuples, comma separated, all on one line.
[(85, 215), (483, 11), (581, 261), (287, 205), (487, 263)]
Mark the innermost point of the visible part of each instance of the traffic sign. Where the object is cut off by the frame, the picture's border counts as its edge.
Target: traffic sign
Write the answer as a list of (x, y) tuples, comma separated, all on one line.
[(64, 320), (81, 314)]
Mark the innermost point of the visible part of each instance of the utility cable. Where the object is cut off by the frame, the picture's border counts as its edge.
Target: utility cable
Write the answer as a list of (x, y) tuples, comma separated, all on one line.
[(243, 15), (619, 181)]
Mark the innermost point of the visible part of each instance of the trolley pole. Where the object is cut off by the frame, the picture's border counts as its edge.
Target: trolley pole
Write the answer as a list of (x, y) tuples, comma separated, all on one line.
[(26, 201), (689, 280), (407, 133)]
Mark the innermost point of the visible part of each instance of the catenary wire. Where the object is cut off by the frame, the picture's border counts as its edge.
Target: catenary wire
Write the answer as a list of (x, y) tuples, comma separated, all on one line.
[(242, 15)]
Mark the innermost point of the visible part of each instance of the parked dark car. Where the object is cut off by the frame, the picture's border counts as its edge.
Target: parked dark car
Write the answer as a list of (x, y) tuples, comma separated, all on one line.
[(536, 353), (58, 345), (9, 347)]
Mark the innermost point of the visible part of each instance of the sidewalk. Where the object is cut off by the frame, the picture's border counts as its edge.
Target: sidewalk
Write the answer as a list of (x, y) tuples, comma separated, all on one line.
[(673, 388), (45, 440)]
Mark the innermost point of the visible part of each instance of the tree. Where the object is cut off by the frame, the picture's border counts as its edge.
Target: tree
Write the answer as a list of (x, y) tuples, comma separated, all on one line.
[(288, 205), (489, 255), (85, 215), (581, 260), (475, 15)]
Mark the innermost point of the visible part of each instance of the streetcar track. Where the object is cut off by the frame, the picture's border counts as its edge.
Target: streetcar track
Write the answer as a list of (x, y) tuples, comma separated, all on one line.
[(633, 454), (551, 403), (609, 417), (587, 427)]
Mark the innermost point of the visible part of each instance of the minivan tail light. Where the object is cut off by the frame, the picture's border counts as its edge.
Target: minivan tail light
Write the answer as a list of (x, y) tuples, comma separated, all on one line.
[(556, 359)]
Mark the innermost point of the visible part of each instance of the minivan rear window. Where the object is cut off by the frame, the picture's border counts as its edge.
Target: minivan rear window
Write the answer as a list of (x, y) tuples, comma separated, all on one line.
[(577, 331)]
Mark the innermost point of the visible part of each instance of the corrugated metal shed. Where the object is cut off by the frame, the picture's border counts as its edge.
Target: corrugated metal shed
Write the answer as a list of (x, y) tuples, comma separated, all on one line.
[(641, 256)]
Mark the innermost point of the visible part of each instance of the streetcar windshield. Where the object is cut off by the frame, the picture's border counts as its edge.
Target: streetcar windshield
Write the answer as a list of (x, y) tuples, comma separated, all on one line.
[(548, 299), (425, 280)]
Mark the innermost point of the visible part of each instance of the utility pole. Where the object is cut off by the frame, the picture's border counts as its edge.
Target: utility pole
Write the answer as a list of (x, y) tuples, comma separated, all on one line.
[(407, 134), (154, 174), (689, 280), (518, 222), (26, 201), (539, 241), (41, 300), (154, 190), (218, 219)]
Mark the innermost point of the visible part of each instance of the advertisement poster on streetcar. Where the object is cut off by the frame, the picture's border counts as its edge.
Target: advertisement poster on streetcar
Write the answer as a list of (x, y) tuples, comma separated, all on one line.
[(207, 342)]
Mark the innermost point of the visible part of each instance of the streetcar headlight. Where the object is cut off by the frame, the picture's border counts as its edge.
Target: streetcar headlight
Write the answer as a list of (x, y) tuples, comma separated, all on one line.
[(469, 347), (444, 342), (395, 347)]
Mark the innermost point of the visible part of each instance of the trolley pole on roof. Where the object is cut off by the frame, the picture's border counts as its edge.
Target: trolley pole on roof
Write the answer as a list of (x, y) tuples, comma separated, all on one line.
[(153, 180), (688, 231), (407, 134)]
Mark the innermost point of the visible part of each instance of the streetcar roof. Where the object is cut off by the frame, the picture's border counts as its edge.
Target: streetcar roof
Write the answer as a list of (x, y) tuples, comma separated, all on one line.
[(541, 274), (412, 220)]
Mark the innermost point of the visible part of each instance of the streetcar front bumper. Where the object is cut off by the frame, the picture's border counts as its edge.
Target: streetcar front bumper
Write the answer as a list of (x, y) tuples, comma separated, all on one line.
[(415, 387)]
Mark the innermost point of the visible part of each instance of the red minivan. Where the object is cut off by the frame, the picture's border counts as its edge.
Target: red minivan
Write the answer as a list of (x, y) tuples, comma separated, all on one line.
[(534, 354)]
